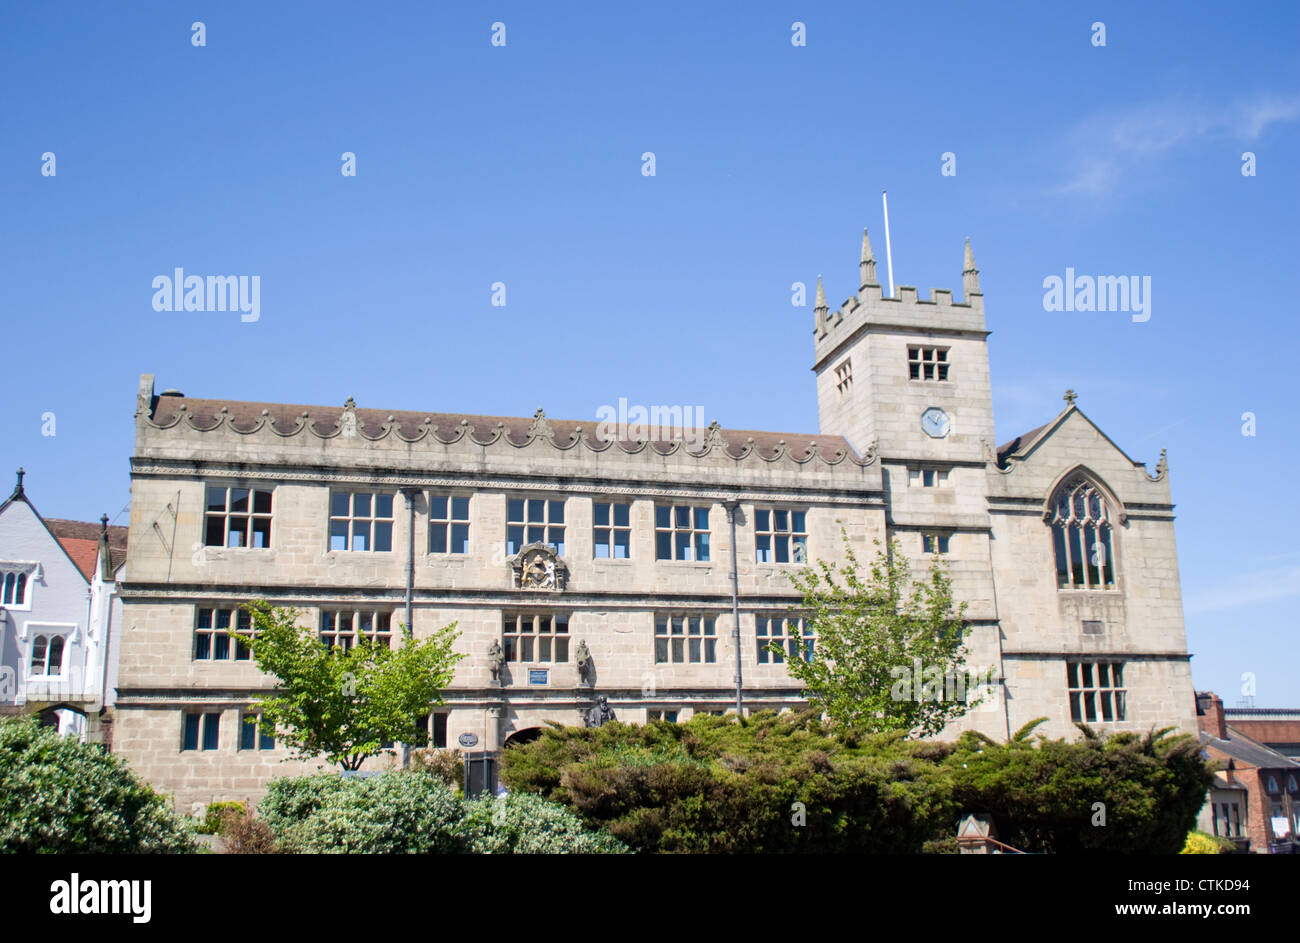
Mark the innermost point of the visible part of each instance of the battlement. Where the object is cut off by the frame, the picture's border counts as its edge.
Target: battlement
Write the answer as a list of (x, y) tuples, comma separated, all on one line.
[(871, 307)]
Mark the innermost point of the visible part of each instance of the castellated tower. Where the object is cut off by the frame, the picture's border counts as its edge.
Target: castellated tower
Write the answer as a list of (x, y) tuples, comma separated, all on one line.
[(882, 363), (907, 379)]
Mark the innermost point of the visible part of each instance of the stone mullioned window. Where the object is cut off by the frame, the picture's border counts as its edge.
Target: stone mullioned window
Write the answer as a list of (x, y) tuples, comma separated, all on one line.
[(681, 533), (237, 517), (211, 641), (1097, 691), (686, 639)]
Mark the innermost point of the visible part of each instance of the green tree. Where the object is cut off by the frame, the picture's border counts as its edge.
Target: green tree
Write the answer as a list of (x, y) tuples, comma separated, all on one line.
[(886, 653), (342, 704)]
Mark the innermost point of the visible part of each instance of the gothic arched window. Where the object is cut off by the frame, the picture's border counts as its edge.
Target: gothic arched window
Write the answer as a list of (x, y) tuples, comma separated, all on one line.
[(1082, 537), (47, 655)]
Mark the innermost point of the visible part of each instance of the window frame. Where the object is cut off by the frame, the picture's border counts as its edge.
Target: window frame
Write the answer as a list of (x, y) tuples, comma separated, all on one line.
[(260, 739), (513, 644), (216, 637), (1076, 540), (695, 647), (916, 475), (48, 635), (764, 622), (844, 377), (383, 625), (252, 516), (610, 529), (547, 525), (24, 576), (937, 359), (374, 519), (1084, 677), (796, 538), (206, 721), (674, 531), (942, 542), (448, 522)]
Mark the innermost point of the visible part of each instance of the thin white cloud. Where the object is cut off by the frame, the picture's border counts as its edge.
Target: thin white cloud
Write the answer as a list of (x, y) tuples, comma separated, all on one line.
[(1106, 147), (1245, 589)]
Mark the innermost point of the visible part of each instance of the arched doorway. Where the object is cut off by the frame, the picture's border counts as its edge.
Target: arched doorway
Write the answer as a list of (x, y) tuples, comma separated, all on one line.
[(527, 735)]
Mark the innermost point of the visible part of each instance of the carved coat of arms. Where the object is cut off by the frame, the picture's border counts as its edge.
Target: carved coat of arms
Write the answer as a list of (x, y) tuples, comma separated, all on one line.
[(537, 566)]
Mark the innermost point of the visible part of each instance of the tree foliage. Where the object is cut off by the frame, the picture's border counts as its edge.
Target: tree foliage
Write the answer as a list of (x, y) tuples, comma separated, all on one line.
[(345, 704), (793, 783), (415, 812), (60, 796), (888, 652)]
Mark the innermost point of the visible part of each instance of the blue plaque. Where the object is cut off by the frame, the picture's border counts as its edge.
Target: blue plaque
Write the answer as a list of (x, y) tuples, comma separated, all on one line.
[(537, 675)]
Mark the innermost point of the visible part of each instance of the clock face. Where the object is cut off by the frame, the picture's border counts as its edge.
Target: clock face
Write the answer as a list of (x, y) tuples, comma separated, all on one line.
[(935, 422)]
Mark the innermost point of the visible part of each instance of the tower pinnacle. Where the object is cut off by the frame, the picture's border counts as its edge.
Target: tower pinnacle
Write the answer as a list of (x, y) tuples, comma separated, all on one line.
[(868, 263), (970, 275)]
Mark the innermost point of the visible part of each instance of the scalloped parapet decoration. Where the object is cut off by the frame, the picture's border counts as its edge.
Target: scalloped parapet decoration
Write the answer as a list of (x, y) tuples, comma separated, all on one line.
[(169, 411)]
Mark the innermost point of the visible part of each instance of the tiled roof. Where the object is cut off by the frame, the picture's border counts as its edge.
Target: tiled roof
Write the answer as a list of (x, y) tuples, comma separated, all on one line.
[(1241, 747), (81, 541), (1014, 445), (324, 420)]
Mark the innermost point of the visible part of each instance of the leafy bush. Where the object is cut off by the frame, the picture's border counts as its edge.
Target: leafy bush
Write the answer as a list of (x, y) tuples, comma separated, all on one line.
[(446, 765), (392, 813), (1199, 843), (415, 812), (787, 783), (61, 796), (211, 823), (1044, 795), (292, 799), (529, 825), (243, 833)]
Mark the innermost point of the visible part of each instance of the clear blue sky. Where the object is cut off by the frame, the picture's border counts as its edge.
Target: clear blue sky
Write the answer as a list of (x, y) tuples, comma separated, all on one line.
[(522, 164)]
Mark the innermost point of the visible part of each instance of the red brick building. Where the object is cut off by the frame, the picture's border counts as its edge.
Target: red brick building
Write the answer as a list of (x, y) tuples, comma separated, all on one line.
[(1271, 781)]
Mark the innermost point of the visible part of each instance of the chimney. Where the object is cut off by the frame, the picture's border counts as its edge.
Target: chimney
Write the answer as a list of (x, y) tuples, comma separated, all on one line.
[(1209, 715)]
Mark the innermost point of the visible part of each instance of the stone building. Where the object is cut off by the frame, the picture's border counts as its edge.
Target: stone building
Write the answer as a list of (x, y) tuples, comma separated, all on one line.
[(540, 536)]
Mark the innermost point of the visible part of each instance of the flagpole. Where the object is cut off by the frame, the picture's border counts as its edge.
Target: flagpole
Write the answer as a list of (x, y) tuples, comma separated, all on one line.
[(889, 255)]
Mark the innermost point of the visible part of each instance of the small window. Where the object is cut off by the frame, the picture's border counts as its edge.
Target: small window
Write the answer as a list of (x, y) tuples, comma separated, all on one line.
[(251, 736), (433, 729), (14, 588), (237, 517), (534, 520), (202, 731), (47, 656), (1094, 627), (686, 640), (448, 523), (212, 641), (681, 533), (611, 530), (927, 363), (844, 378), (344, 627), (537, 638), (1096, 691), (664, 715), (777, 636), (934, 543), (927, 477), (781, 535), (361, 521)]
